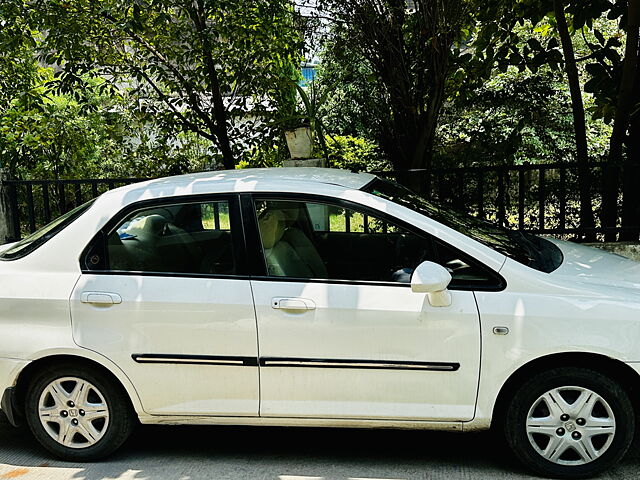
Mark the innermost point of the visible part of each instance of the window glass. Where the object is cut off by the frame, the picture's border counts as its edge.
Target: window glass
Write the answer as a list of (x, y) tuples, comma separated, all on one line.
[(323, 241), (215, 216), (181, 238)]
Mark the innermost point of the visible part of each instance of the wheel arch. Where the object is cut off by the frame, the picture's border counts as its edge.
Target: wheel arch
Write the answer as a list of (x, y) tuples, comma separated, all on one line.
[(626, 376), (30, 370)]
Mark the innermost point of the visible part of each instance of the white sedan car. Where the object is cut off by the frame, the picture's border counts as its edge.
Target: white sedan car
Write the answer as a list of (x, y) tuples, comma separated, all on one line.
[(315, 297)]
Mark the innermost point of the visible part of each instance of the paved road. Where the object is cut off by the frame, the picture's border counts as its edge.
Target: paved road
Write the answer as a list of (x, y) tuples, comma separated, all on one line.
[(241, 453)]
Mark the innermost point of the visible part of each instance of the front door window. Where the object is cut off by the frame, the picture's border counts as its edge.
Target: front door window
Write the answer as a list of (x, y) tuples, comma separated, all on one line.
[(315, 240)]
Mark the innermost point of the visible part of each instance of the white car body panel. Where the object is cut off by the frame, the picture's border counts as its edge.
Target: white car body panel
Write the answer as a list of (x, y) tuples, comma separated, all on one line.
[(590, 304), (166, 315), (375, 323)]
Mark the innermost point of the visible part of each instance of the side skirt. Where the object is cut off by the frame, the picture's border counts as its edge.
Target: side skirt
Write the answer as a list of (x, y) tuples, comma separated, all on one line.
[(298, 422)]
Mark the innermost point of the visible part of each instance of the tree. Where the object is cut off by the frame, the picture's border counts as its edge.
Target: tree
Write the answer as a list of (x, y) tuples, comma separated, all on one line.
[(202, 66), (628, 100), (411, 54), (579, 124), (502, 44)]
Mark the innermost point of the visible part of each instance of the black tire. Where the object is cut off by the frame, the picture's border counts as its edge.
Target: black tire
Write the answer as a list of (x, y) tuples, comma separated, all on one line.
[(115, 431), (613, 446)]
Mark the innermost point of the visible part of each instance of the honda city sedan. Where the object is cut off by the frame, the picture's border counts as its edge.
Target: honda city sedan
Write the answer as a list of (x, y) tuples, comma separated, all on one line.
[(315, 297)]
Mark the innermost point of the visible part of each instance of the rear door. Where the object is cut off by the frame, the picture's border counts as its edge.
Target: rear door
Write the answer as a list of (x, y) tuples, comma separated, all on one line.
[(164, 294)]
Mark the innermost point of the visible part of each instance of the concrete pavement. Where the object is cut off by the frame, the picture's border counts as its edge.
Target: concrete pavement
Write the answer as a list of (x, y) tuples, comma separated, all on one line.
[(240, 453)]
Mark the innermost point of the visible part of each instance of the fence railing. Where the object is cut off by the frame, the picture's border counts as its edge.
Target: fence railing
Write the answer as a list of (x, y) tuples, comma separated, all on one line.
[(34, 203), (539, 198)]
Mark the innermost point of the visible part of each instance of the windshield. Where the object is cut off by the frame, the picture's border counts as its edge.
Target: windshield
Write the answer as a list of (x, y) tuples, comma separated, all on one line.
[(41, 236), (528, 249)]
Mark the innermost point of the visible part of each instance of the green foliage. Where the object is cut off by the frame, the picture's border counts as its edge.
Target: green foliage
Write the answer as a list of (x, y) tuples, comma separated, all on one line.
[(267, 155), (60, 137), (211, 68), (358, 104), (513, 118), (407, 57), (355, 154), (525, 36)]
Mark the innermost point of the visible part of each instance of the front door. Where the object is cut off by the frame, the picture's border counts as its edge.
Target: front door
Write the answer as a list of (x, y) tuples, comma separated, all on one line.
[(341, 334), (163, 295)]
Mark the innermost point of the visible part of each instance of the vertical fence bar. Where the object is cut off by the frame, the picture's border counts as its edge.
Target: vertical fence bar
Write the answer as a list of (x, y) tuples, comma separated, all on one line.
[(541, 199), (501, 199), (480, 193), (78, 194), (428, 174), (347, 221), (521, 197), (46, 202), (365, 223), (61, 200), (94, 189), (31, 212), (563, 198), (15, 211)]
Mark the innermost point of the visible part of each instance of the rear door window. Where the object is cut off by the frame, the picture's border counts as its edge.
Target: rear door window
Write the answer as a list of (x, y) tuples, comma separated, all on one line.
[(182, 238)]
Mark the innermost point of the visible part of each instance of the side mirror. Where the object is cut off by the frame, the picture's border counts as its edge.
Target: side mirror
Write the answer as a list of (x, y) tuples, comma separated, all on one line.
[(432, 279)]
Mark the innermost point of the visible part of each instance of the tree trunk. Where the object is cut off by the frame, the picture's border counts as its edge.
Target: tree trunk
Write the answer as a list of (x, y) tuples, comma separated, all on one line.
[(579, 125), (220, 127), (423, 151), (631, 168), (621, 122)]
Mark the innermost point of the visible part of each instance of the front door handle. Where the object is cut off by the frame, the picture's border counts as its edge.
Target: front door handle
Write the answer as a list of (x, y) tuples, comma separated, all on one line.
[(100, 298), (289, 303)]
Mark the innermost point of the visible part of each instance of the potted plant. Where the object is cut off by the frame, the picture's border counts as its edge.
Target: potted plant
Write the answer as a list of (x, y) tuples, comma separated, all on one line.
[(304, 127), (299, 140)]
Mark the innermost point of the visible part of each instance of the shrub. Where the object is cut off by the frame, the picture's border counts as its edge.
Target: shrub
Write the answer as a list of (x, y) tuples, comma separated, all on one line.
[(356, 154)]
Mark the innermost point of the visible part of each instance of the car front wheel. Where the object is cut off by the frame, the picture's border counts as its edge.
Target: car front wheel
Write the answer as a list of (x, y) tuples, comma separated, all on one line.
[(77, 413), (569, 423)]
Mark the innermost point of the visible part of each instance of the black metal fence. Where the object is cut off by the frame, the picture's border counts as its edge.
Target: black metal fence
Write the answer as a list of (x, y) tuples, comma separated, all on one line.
[(539, 198), (34, 203)]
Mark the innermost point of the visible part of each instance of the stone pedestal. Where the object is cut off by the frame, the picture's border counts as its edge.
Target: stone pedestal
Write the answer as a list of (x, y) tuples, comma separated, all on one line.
[(305, 162)]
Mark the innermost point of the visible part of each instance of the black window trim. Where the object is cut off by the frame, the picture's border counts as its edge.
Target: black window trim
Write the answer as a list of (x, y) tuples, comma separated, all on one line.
[(237, 236), (257, 263)]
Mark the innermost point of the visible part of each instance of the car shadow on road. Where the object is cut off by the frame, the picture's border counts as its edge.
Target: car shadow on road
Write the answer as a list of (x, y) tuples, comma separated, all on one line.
[(240, 453)]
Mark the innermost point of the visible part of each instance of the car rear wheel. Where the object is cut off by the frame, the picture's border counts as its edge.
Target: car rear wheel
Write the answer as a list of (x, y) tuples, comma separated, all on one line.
[(77, 413), (569, 423)]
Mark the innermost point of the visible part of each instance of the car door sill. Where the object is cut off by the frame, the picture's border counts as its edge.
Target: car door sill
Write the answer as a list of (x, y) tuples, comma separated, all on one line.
[(299, 422)]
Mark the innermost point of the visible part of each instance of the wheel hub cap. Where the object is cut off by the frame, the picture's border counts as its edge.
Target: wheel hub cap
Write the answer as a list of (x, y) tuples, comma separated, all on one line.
[(81, 426), (570, 425)]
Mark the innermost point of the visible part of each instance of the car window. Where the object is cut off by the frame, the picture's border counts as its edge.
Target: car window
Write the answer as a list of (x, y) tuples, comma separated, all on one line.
[(317, 240), (189, 238)]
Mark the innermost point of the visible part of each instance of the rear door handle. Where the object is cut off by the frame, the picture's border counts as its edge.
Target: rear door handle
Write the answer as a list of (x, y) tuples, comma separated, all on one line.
[(289, 303), (100, 298)]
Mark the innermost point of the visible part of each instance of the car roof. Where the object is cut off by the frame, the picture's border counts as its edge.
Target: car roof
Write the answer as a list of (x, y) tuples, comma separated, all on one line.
[(254, 179)]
